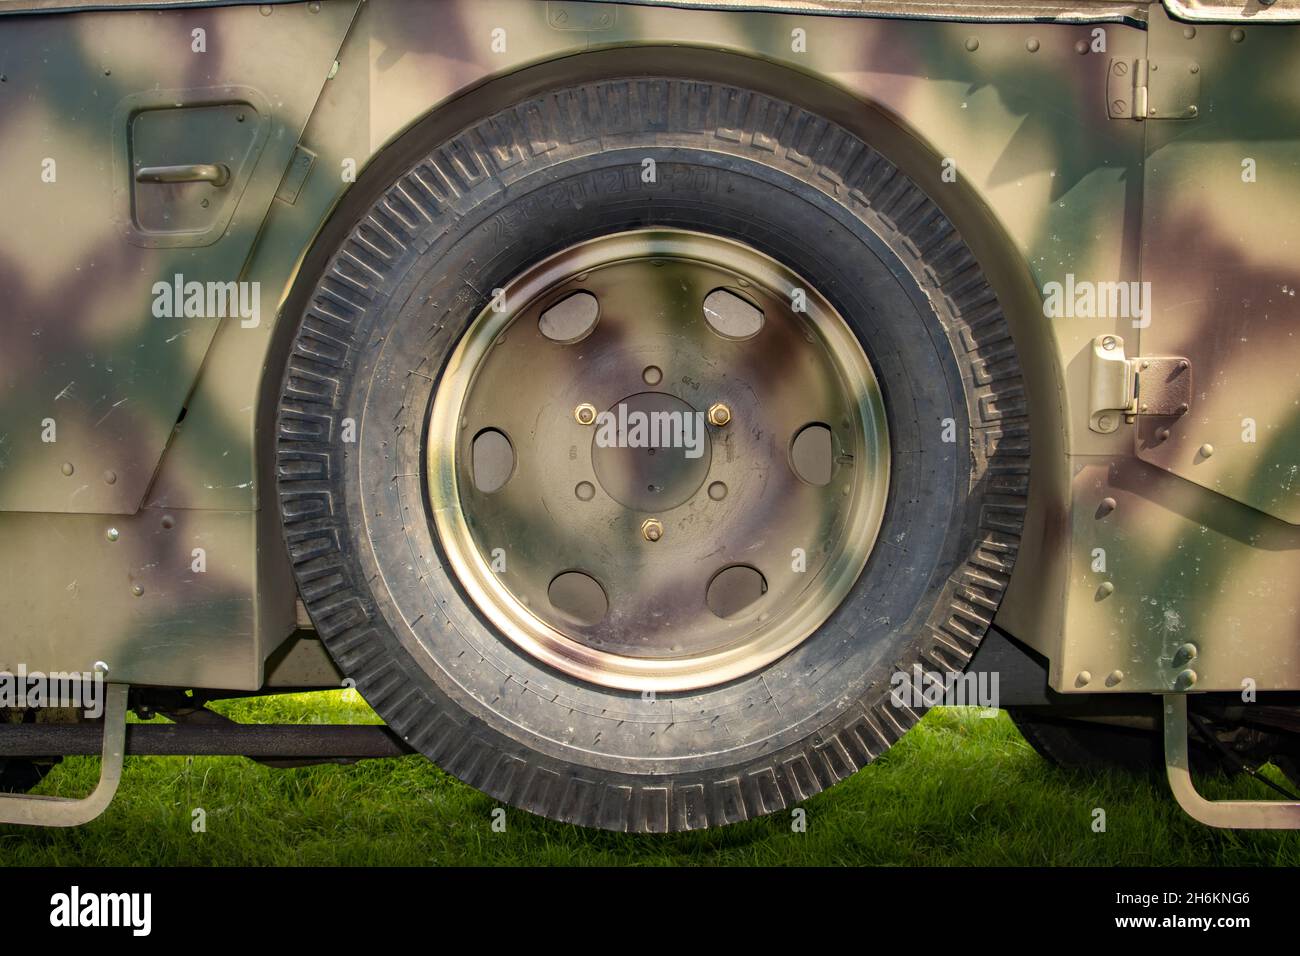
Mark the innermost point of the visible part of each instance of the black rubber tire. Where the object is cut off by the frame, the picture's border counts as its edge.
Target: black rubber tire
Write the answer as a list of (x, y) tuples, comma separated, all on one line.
[(557, 169)]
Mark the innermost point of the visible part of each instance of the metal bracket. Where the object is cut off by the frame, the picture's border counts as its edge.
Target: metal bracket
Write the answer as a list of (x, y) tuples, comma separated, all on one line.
[(577, 15), (1142, 89), (1232, 814), (30, 810), (1128, 387)]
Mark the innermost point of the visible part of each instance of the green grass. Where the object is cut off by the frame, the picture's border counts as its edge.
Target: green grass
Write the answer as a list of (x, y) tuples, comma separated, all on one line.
[(958, 790)]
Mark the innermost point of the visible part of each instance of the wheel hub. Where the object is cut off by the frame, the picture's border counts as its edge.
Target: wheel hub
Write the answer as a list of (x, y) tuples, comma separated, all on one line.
[(658, 461), (651, 451)]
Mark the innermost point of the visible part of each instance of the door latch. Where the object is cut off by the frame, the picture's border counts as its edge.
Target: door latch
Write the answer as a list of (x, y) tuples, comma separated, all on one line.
[(1120, 387)]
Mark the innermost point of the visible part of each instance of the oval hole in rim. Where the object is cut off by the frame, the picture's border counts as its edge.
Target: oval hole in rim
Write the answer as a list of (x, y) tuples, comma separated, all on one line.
[(571, 319)]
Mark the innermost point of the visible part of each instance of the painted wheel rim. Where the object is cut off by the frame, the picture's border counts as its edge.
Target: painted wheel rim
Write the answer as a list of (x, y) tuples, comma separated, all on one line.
[(658, 461)]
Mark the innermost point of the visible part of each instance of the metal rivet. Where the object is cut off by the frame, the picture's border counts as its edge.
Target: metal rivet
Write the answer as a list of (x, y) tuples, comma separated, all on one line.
[(1189, 32), (1185, 653), (972, 44), (1185, 679), (1107, 588), (111, 534), (1193, 110), (66, 468), (1206, 450), (719, 414), (1106, 507), (101, 667), (1162, 435), (1114, 677), (110, 477), (1081, 47), (585, 414), (137, 590), (1083, 679), (585, 491), (1237, 35), (652, 529), (1032, 44), (1195, 68)]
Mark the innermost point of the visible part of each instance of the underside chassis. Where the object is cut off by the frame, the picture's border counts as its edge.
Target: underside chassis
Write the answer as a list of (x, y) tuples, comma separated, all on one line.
[(1210, 733)]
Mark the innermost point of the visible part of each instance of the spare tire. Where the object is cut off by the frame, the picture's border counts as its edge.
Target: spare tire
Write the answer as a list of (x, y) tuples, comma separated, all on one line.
[(623, 634)]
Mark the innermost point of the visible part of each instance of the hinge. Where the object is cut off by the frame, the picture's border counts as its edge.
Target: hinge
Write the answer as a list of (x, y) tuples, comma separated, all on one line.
[(1142, 89), (1122, 387)]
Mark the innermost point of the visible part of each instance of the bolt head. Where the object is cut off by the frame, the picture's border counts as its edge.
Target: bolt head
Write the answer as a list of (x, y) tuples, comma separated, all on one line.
[(719, 414), (111, 534), (585, 414), (652, 529)]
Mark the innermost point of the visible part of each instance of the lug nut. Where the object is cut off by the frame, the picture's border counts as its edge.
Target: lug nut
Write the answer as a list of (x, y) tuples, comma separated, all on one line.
[(652, 529), (719, 414), (585, 414)]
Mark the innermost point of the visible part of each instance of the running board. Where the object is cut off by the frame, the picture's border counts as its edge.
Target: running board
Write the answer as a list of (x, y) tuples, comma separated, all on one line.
[(1230, 814), (30, 810)]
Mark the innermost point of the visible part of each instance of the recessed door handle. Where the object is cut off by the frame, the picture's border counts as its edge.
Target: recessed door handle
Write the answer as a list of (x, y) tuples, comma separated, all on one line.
[(216, 173)]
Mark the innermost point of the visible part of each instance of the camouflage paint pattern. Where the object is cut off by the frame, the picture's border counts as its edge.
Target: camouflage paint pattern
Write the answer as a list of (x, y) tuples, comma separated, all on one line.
[(1005, 125)]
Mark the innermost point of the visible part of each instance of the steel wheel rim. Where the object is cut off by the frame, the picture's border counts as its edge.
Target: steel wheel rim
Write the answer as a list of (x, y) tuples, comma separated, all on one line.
[(800, 369)]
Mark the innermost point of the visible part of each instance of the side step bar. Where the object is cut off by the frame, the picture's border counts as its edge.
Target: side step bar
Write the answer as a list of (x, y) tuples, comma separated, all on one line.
[(24, 808), (1231, 814)]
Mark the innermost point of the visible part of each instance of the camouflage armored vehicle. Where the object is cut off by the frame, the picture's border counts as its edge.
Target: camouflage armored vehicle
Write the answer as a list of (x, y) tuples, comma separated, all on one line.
[(651, 408)]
